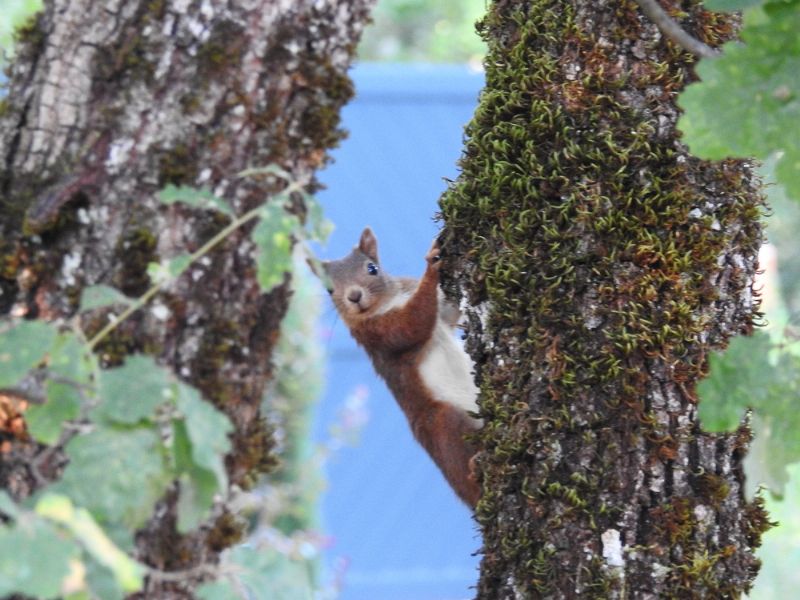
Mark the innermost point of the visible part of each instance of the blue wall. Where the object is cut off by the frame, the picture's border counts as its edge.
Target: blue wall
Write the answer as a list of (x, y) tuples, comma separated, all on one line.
[(389, 511)]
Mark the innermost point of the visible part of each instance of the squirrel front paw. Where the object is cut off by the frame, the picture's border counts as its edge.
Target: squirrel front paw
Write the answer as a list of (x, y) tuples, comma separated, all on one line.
[(433, 257)]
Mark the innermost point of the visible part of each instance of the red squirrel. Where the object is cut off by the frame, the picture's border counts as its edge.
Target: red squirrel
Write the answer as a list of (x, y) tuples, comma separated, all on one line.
[(406, 326)]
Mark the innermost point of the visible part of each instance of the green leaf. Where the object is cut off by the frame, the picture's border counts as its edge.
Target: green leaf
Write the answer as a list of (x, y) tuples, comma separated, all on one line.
[(218, 590), (7, 506), (168, 269), (273, 241), (197, 485), (34, 558), (71, 359), (318, 225), (132, 392), (97, 296), (200, 442), (753, 373), (207, 430), (730, 5), (128, 573), (102, 582), (201, 198), (264, 573), (197, 490), (739, 379), (45, 421), (117, 474), (22, 347), (748, 100)]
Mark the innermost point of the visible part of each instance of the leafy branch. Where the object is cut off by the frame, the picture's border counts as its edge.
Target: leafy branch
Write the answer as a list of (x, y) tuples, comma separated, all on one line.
[(196, 197), (131, 432), (746, 102)]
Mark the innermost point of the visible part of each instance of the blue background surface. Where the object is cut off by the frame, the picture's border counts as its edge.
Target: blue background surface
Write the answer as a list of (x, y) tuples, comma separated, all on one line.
[(390, 513)]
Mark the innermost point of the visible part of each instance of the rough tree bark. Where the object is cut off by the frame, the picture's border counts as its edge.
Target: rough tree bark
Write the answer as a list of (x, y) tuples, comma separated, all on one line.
[(107, 103), (603, 263)]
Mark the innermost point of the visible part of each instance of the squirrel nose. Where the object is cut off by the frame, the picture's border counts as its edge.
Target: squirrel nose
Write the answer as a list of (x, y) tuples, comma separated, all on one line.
[(354, 296)]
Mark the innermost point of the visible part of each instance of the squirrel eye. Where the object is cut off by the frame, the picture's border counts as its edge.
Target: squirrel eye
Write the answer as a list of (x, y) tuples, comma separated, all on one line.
[(372, 268)]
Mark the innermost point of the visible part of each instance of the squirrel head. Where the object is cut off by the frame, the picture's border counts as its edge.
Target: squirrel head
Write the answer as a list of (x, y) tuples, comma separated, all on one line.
[(359, 286)]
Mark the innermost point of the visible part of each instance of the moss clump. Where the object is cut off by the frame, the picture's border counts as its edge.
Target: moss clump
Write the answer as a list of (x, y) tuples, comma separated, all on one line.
[(226, 531), (254, 451), (177, 166), (713, 488), (757, 521), (333, 89), (222, 50), (134, 251), (674, 520)]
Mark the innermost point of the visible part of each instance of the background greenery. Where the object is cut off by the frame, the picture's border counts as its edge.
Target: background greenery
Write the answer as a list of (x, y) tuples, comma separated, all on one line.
[(12, 12), (425, 31)]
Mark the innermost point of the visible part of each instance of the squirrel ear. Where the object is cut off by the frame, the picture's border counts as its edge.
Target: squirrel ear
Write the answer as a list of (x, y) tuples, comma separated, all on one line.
[(368, 244)]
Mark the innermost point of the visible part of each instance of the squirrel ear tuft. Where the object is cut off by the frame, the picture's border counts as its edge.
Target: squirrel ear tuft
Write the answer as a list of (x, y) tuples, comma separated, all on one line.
[(368, 244)]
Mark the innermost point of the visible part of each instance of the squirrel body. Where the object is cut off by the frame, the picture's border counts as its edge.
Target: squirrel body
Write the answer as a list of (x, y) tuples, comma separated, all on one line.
[(406, 327)]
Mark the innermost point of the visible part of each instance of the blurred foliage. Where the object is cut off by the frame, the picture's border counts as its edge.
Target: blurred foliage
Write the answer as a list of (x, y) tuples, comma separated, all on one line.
[(422, 30), (291, 403), (13, 12), (780, 551), (782, 227), (763, 376), (280, 558), (747, 102)]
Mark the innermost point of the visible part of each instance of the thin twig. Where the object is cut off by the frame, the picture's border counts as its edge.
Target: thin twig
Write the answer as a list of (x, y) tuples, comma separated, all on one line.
[(199, 571), (69, 430), (145, 298), (673, 31)]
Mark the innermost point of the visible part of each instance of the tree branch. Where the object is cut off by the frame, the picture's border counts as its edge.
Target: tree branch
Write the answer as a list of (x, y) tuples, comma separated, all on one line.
[(673, 31)]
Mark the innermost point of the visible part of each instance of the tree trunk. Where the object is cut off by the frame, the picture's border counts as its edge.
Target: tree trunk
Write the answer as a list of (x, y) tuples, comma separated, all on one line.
[(603, 263), (107, 103)]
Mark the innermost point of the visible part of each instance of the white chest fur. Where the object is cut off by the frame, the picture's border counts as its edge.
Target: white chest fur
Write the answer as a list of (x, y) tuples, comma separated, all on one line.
[(446, 370)]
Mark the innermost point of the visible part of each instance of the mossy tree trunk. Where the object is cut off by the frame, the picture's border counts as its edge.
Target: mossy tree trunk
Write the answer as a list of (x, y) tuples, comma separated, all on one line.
[(107, 103), (604, 263)]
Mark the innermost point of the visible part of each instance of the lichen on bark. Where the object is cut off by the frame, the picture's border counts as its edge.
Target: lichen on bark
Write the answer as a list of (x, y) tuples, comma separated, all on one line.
[(603, 263)]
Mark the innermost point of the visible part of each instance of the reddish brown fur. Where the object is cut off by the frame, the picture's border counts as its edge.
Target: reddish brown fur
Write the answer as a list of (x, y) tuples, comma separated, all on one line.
[(395, 341)]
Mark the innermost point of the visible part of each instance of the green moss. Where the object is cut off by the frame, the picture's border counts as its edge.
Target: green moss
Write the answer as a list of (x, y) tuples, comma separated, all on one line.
[(252, 446), (177, 166), (226, 531), (674, 520), (757, 521), (254, 452), (134, 251), (573, 188), (118, 344), (321, 121), (133, 57), (222, 50), (713, 488), (9, 259)]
